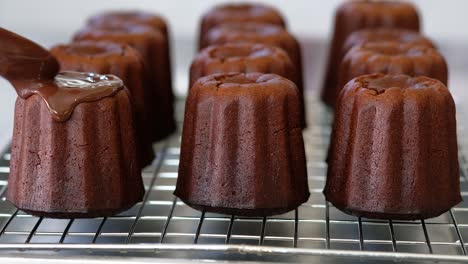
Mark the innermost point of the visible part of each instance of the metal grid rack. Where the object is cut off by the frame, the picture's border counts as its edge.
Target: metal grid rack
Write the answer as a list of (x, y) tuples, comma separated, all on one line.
[(163, 226)]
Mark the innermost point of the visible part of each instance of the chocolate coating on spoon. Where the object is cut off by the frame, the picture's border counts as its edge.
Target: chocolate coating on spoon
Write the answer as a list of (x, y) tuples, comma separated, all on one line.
[(24, 63), (31, 70)]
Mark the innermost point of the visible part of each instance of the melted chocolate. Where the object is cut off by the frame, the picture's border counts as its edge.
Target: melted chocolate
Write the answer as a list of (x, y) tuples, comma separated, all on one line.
[(72, 88), (31, 70)]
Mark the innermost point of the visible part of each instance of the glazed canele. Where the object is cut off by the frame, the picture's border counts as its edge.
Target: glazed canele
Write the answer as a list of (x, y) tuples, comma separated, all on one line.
[(151, 45), (157, 22), (391, 58), (242, 138), (82, 163), (394, 146), (263, 34), (240, 13), (355, 15), (124, 62)]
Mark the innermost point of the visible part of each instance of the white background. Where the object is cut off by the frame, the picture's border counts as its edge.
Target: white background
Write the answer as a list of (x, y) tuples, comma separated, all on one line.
[(49, 22)]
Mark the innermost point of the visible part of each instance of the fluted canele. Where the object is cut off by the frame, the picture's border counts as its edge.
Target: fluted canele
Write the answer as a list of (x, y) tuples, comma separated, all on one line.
[(242, 148), (370, 35), (151, 45), (126, 63), (391, 58), (361, 14), (263, 34), (240, 13), (129, 17), (394, 146), (83, 167)]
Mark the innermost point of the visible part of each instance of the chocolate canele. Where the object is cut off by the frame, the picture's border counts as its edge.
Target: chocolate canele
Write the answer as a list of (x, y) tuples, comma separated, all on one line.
[(83, 166), (242, 138), (73, 152), (361, 14), (151, 45), (392, 58), (157, 22), (403, 36), (360, 37), (240, 13), (394, 146), (262, 34), (126, 63), (115, 18)]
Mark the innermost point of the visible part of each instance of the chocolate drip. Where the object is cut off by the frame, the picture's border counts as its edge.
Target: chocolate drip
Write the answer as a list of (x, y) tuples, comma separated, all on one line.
[(31, 70), (72, 88)]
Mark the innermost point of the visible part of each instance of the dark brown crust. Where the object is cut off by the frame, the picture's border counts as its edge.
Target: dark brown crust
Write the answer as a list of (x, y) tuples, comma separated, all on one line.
[(241, 140), (240, 13), (86, 164), (124, 62), (355, 15), (152, 46), (393, 146)]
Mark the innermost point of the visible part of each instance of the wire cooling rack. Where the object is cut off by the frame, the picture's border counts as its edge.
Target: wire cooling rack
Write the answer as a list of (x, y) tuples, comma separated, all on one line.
[(163, 226)]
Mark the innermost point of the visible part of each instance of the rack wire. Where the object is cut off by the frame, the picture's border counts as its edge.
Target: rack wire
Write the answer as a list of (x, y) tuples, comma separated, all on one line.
[(163, 226)]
